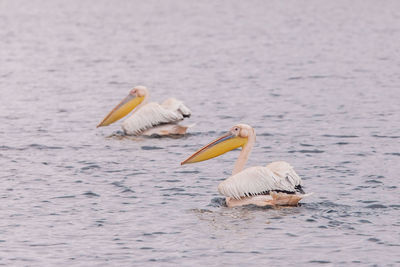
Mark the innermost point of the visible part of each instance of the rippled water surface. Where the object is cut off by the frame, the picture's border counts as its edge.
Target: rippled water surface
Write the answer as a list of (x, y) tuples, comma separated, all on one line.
[(318, 80)]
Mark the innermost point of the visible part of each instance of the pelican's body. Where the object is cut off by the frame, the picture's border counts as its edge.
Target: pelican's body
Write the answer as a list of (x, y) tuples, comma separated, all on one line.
[(148, 118), (275, 184)]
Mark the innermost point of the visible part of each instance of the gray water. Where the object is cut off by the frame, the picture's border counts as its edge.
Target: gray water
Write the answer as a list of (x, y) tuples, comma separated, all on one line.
[(318, 80)]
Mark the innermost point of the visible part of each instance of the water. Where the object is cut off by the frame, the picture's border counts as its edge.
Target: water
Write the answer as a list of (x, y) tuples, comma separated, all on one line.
[(319, 81)]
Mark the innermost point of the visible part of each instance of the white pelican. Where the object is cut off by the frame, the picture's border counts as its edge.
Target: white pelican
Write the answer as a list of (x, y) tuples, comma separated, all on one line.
[(148, 118), (275, 184)]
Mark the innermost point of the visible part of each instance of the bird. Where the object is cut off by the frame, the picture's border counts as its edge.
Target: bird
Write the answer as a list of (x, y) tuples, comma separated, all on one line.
[(148, 118), (276, 184)]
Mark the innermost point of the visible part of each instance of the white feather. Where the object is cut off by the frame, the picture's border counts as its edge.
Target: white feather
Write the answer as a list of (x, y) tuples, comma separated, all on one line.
[(175, 105), (255, 180), (153, 114)]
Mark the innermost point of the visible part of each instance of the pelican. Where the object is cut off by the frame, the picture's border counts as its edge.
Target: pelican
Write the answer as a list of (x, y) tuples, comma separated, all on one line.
[(148, 118), (272, 185)]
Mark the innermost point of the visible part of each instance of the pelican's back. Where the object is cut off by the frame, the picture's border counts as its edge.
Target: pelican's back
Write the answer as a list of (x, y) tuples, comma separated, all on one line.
[(276, 176), (154, 114), (176, 106)]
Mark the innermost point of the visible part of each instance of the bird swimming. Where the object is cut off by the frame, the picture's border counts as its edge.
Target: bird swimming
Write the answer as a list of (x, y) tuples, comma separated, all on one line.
[(148, 118), (273, 185)]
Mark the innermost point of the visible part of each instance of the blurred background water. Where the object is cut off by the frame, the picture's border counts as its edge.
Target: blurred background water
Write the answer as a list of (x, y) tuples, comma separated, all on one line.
[(318, 80)]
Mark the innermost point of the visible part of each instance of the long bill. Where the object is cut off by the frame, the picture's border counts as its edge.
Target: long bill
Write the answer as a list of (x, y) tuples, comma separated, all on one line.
[(122, 109), (217, 147)]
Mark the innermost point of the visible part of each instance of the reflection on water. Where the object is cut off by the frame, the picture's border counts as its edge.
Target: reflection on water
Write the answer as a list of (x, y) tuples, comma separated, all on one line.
[(318, 81)]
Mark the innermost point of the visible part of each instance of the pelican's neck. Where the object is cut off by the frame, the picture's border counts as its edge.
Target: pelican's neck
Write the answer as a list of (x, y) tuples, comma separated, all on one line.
[(144, 102), (244, 154)]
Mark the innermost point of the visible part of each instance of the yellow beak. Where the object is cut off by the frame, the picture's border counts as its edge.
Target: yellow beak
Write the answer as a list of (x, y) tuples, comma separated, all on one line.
[(217, 147), (122, 109)]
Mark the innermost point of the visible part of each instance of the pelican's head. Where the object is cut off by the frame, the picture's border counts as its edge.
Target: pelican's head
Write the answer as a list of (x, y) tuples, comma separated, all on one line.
[(139, 91), (237, 137), (134, 99)]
